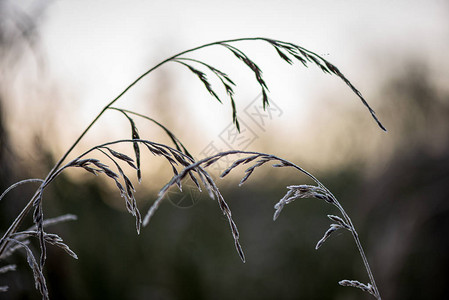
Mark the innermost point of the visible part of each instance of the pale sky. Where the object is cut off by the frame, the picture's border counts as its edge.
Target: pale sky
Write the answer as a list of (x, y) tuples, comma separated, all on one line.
[(94, 49)]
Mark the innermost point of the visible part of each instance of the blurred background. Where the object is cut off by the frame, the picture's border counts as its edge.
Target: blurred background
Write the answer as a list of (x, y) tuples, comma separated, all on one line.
[(62, 62)]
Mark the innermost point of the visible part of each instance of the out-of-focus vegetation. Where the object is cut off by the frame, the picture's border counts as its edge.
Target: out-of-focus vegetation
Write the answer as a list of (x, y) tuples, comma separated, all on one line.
[(400, 209)]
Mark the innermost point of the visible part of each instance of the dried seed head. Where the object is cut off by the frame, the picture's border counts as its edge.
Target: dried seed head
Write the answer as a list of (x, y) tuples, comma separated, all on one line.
[(278, 211), (7, 268), (339, 221), (240, 251), (357, 284), (327, 234)]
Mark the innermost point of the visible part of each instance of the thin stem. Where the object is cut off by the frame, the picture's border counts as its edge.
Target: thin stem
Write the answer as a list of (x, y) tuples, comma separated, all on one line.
[(174, 139), (17, 222), (353, 231), (359, 246), (20, 183)]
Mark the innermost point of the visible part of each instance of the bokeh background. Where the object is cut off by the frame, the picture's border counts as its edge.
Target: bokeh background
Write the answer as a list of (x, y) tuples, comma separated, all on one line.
[(61, 62)]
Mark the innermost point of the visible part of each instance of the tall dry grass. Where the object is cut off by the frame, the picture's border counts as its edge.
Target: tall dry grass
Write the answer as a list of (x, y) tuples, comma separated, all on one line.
[(116, 165)]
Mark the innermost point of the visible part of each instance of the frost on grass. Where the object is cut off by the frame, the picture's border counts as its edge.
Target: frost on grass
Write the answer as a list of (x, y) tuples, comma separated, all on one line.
[(255, 160), (354, 283), (180, 161)]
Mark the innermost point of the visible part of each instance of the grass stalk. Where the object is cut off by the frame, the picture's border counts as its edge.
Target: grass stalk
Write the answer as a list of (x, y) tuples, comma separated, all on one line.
[(181, 162)]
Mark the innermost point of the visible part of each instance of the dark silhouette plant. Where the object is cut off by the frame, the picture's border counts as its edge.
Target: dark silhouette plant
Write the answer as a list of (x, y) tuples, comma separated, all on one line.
[(181, 162)]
